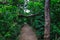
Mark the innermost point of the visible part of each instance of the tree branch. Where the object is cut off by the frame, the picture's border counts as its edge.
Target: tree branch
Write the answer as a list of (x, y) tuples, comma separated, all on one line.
[(3, 2), (32, 15)]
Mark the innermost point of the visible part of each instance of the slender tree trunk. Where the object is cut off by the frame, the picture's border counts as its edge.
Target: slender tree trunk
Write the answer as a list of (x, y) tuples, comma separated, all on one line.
[(56, 37), (47, 21)]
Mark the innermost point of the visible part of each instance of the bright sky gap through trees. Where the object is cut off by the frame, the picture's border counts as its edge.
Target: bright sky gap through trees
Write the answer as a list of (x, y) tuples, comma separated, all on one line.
[(25, 6)]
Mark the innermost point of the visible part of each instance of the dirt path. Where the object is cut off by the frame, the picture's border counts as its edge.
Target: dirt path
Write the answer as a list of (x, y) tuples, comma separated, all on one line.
[(27, 33)]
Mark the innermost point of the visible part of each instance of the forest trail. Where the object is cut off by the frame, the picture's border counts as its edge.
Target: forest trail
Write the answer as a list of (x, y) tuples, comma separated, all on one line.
[(27, 33)]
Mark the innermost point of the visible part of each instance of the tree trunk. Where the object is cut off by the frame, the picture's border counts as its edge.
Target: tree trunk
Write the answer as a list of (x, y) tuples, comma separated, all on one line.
[(27, 33), (47, 21)]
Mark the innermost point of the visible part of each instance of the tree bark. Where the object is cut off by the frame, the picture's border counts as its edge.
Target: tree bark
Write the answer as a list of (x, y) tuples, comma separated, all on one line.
[(47, 21)]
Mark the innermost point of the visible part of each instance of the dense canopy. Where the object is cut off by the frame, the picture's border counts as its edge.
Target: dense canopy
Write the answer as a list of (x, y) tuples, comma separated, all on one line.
[(11, 22)]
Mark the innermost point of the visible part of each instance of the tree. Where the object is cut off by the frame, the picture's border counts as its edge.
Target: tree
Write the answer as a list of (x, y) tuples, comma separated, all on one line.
[(47, 21)]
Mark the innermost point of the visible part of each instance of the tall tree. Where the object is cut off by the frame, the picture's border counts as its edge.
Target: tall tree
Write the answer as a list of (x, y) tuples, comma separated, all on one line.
[(47, 20)]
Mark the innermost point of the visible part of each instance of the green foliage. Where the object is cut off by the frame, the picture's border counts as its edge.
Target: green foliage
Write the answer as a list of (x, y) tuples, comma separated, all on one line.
[(10, 23)]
